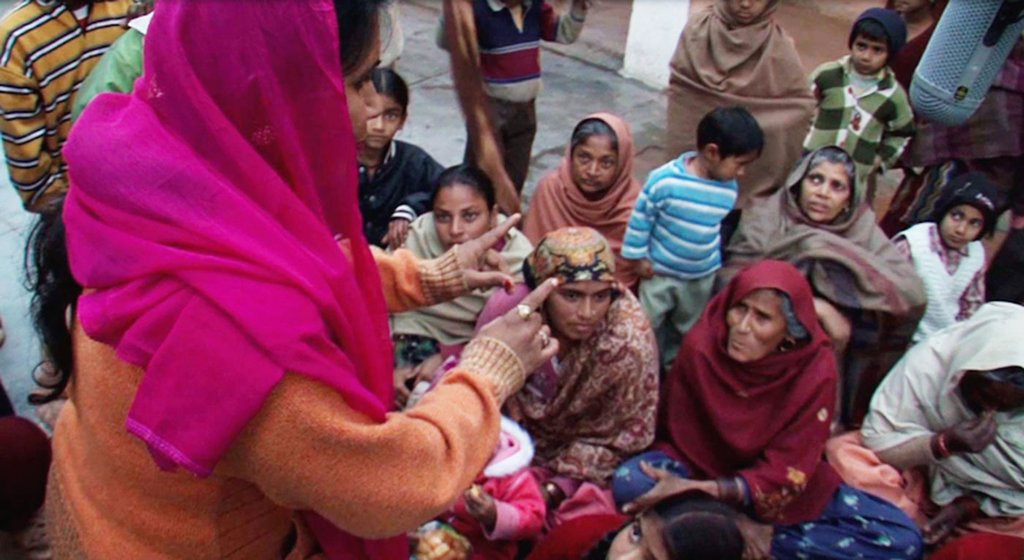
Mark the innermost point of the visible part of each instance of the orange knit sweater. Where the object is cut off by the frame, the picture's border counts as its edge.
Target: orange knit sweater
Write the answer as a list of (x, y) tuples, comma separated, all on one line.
[(305, 450)]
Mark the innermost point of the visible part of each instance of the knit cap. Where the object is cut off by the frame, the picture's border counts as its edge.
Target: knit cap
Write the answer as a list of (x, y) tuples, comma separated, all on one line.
[(890, 20), (975, 189)]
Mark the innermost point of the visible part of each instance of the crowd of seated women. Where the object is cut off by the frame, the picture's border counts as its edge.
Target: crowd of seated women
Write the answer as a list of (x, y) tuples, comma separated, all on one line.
[(811, 401), (842, 394)]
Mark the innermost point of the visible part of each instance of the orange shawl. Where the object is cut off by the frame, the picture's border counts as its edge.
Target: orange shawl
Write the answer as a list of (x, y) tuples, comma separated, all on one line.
[(558, 203)]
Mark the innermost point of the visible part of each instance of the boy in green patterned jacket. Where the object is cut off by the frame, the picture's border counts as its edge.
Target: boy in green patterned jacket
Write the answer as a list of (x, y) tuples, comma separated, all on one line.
[(861, 106)]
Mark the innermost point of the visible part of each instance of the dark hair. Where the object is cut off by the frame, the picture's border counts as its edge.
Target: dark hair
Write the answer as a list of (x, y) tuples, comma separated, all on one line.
[(1010, 375), (698, 527), (388, 82), (733, 129), (54, 293), (794, 327), (695, 527), (470, 176), (871, 29), (600, 549), (588, 128), (358, 25)]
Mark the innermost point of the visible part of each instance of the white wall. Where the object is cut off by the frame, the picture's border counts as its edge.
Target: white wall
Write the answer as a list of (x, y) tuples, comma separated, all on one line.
[(654, 29)]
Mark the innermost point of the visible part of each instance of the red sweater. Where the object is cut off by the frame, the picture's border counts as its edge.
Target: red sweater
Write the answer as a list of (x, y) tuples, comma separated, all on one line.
[(521, 512)]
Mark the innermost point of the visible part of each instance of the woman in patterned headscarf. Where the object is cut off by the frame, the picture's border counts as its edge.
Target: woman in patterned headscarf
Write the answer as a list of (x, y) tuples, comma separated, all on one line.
[(594, 404)]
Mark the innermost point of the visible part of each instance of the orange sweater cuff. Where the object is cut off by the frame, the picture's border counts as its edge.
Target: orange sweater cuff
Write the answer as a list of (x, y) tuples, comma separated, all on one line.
[(493, 360), (442, 278)]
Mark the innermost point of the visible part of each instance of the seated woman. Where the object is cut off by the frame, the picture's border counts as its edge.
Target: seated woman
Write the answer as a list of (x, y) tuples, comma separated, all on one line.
[(866, 293), (464, 208), (593, 187), (396, 178), (944, 436), (746, 414), (593, 405), (733, 53)]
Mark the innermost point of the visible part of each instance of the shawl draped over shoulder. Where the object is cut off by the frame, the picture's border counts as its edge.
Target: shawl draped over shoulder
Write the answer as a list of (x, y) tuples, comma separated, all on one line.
[(920, 397), (559, 203), (597, 407), (721, 63), (850, 262), (766, 421)]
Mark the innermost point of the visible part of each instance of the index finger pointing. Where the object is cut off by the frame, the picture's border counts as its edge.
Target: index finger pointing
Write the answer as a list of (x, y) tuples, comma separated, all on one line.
[(500, 230), (536, 298)]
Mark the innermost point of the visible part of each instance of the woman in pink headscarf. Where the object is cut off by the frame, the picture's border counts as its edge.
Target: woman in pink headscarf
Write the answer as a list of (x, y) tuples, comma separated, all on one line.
[(232, 364), (593, 187)]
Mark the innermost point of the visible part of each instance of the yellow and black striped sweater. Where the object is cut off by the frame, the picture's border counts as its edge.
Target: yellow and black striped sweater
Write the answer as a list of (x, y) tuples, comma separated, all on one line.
[(45, 54)]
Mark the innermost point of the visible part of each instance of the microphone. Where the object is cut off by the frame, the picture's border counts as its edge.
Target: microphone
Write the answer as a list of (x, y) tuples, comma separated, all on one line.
[(966, 52)]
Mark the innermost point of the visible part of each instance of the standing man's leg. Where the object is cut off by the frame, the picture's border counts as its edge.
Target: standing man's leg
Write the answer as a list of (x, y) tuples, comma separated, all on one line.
[(517, 131)]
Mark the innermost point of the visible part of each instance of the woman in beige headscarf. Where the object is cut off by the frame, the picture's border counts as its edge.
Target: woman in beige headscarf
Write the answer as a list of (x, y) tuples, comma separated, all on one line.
[(868, 296), (733, 53)]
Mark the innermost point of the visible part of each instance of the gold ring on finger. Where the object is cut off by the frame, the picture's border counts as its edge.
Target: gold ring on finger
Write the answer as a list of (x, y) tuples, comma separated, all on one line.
[(524, 311), (544, 339)]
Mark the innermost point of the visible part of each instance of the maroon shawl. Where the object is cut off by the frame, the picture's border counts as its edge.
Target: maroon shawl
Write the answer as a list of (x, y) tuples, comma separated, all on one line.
[(766, 421), (904, 64)]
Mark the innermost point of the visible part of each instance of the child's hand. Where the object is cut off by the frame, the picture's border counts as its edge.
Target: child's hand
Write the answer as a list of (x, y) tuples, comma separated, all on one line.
[(481, 506), (645, 269), (402, 378), (427, 368), (398, 232)]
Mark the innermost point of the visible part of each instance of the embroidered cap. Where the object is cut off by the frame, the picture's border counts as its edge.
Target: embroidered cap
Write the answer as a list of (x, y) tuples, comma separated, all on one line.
[(572, 254)]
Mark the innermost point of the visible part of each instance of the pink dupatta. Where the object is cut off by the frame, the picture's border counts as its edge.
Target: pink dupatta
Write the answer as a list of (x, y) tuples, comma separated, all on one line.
[(202, 223)]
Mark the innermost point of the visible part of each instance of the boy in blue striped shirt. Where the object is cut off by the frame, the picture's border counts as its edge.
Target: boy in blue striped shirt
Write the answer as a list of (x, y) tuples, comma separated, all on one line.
[(675, 228)]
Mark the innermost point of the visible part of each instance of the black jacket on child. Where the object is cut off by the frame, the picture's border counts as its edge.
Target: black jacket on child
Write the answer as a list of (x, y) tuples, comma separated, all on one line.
[(402, 188)]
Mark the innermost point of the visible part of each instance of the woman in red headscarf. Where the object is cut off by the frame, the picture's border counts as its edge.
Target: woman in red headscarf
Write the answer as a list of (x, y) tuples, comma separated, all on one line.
[(232, 375), (744, 417)]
